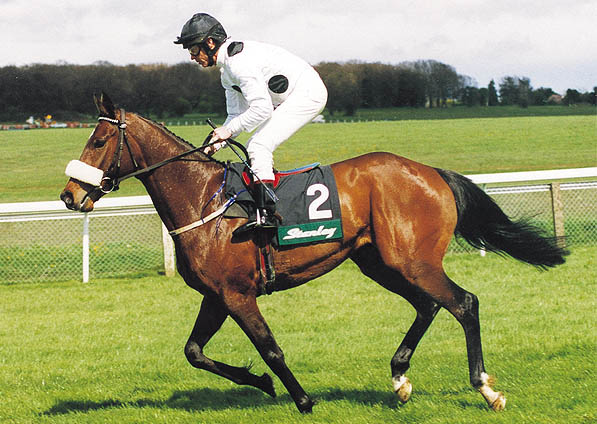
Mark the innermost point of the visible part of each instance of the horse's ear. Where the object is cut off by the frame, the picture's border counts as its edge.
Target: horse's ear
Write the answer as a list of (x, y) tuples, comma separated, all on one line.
[(104, 105)]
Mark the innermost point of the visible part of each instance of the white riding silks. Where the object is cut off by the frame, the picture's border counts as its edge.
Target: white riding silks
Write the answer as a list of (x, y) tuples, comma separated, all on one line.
[(85, 173)]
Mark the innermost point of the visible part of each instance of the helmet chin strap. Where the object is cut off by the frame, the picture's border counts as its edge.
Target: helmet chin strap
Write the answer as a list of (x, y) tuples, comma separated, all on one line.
[(211, 53), (211, 61)]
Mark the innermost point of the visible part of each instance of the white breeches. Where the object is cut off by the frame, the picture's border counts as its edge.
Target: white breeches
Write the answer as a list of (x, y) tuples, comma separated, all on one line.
[(307, 100)]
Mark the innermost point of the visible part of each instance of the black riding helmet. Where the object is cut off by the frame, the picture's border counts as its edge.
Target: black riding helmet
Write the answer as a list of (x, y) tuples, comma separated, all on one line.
[(200, 27)]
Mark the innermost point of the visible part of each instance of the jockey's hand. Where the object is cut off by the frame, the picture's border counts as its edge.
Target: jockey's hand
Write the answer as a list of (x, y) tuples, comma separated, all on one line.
[(218, 140), (221, 133), (214, 147)]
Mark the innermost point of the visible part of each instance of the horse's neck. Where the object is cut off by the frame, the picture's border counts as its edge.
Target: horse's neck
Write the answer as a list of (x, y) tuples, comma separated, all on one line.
[(181, 189)]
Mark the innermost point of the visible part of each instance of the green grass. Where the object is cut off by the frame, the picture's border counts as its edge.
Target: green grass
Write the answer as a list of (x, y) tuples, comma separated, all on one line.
[(33, 162), (112, 351)]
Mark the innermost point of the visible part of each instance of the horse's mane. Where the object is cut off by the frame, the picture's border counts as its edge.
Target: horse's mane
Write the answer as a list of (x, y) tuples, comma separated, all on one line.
[(167, 131), (179, 139)]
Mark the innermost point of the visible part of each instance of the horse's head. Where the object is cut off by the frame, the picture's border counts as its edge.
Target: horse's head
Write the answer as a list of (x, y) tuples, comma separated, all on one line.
[(106, 158)]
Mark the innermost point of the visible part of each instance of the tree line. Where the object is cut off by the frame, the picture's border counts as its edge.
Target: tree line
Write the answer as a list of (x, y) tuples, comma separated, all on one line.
[(159, 90)]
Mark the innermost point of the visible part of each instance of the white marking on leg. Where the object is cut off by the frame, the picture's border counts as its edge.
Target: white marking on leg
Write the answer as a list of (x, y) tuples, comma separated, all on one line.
[(495, 400), (402, 387), (398, 382)]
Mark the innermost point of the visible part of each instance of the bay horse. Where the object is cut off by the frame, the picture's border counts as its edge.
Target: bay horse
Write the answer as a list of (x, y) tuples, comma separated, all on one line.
[(398, 218)]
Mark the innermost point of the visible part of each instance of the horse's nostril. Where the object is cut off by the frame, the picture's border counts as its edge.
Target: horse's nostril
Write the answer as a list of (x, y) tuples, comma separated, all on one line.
[(67, 198)]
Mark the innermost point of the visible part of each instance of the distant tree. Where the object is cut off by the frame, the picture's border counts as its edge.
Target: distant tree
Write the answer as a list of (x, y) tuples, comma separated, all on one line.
[(470, 96), (524, 92), (483, 96), (384, 85), (156, 90), (411, 87), (343, 87), (375, 79), (492, 95), (11, 93), (540, 96), (589, 97), (102, 63), (515, 91), (464, 82), (181, 107), (509, 91), (441, 81), (572, 97), (446, 80)]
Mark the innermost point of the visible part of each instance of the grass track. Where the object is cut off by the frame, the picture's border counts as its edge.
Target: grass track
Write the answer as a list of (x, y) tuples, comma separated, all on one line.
[(111, 351)]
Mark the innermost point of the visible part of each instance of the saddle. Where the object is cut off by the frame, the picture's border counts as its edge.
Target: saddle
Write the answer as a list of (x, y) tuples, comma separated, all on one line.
[(308, 206), (278, 175)]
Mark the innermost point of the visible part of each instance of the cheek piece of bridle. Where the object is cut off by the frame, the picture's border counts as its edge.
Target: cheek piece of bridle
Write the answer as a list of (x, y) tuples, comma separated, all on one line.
[(111, 180)]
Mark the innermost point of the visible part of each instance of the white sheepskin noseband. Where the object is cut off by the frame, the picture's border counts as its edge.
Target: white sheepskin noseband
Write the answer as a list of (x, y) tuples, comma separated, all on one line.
[(84, 173)]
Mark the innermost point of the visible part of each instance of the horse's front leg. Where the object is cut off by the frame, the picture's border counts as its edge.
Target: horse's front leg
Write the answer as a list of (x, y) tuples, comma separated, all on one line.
[(244, 310), (211, 317)]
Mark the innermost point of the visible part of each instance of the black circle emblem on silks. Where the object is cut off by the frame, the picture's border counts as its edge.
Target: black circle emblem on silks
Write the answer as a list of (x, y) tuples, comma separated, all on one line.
[(235, 48), (278, 84)]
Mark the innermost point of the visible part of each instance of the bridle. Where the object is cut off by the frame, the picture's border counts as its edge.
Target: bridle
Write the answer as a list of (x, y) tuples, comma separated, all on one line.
[(109, 180), (112, 176)]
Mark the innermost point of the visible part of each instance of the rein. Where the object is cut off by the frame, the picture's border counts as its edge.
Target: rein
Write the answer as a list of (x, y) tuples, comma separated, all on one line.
[(114, 181), (122, 139)]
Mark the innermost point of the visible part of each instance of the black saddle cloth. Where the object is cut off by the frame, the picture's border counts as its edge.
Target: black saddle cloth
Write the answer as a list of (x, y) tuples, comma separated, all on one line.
[(308, 203)]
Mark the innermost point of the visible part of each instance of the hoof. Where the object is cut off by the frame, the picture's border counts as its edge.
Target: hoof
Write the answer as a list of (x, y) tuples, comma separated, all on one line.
[(267, 385), (403, 388), (495, 400), (499, 403), (305, 405)]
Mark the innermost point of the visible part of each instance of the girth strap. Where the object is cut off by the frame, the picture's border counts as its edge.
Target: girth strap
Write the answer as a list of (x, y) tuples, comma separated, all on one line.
[(267, 271)]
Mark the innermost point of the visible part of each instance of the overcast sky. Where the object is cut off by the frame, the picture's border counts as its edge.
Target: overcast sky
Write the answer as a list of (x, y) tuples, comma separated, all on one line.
[(552, 42)]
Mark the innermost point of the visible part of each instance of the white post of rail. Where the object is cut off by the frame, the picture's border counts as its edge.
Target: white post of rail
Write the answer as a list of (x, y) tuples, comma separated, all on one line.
[(169, 259), (86, 248), (483, 252)]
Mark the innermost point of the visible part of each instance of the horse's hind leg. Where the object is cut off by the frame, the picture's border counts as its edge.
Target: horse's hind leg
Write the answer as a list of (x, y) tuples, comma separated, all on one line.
[(464, 306), (427, 288), (426, 311), (211, 317), (370, 263)]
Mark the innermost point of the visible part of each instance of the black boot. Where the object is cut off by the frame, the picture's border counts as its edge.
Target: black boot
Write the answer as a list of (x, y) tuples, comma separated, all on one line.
[(266, 205), (265, 209)]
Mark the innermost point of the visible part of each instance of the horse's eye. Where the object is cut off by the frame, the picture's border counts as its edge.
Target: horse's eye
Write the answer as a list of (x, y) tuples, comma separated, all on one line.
[(99, 143)]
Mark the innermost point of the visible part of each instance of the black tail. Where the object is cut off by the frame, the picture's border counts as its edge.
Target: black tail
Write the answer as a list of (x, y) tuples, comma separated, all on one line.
[(484, 225)]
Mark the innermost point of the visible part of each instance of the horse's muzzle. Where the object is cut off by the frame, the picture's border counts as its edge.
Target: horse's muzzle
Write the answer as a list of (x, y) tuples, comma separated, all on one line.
[(67, 197), (83, 203)]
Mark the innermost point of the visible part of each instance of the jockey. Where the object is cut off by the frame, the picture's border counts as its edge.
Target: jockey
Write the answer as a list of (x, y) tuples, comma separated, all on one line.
[(268, 90)]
